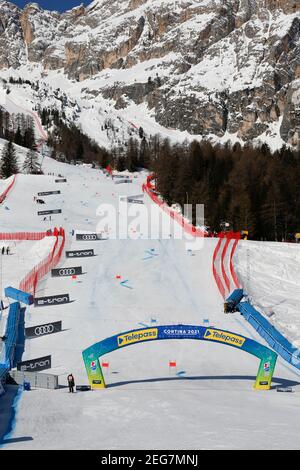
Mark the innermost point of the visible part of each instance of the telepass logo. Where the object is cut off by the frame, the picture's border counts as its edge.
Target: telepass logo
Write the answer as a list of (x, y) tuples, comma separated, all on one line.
[(136, 336), (224, 337)]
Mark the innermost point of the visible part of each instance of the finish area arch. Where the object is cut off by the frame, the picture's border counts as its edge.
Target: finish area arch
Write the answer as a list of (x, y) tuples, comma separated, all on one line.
[(92, 354)]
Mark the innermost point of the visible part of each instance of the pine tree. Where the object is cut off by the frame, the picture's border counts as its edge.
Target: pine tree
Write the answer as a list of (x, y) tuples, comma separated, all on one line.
[(9, 163), (132, 155), (31, 164), (29, 137)]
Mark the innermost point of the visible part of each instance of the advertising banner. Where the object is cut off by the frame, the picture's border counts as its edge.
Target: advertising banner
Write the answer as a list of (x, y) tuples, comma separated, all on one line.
[(54, 211), (61, 180), (89, 237), (62, 272), (35, 365), (43, 330), (58, 299), (135, 201), (48, 193), (80, 254)]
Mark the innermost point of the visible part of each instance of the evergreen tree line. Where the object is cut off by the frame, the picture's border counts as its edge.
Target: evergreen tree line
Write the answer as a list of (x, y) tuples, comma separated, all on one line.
[(17, 128), (249, 188), (9, 164), (69, 143)]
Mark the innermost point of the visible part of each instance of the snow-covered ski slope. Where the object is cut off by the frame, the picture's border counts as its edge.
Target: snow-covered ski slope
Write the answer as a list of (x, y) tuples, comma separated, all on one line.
[(270, 273), (209, 404)]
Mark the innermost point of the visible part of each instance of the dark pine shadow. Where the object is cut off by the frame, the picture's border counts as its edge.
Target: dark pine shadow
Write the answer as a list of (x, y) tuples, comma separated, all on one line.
[(21, 338), (15, 440), (249, 378)]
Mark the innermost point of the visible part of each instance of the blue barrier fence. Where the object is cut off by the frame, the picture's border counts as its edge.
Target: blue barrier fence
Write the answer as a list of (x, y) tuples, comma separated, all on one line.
[(18, 295), (11, 339), (270, 334), (3, 372)]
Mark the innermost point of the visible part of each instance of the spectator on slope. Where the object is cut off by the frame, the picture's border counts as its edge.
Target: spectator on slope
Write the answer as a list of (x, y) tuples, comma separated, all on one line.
[(71, 383)]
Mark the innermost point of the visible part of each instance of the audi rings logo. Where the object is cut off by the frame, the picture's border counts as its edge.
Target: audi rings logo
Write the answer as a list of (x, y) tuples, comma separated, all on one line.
[(89, 236), (72, 271), (67, 272), (44, 330)]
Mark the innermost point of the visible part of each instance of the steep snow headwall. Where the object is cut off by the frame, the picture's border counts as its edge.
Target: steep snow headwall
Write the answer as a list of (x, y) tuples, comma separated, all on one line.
[(224, 68)]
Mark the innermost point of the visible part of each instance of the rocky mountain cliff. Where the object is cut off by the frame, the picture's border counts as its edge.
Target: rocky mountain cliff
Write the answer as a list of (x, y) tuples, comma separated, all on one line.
[(211, 67)]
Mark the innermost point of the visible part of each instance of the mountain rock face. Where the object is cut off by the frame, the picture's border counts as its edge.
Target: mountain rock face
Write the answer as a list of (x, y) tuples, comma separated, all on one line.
[(222, 67)]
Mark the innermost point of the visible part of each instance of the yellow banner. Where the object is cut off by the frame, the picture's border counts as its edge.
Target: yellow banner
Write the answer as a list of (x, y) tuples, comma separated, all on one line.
[(136, 336)]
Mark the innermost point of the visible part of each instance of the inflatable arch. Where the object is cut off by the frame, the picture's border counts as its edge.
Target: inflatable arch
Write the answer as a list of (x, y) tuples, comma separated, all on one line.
[(227, 338)]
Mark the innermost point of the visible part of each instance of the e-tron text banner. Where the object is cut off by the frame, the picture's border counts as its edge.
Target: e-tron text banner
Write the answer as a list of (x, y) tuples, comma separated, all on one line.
[(80, 254), (62, 180), (35, 365), (52, 300), (48, 193), (54, 211), (61, 272), (43, 330)]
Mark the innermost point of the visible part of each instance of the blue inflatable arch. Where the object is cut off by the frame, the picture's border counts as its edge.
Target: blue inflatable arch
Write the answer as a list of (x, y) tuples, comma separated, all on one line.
[(227, 338)]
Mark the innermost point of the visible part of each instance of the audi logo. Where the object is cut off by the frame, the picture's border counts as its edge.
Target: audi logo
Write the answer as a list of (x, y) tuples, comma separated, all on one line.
[(44, 330), (66, 272), (89, 237)]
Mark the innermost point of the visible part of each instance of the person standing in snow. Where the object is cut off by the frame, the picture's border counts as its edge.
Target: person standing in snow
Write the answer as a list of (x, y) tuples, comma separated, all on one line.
[(71, 383)]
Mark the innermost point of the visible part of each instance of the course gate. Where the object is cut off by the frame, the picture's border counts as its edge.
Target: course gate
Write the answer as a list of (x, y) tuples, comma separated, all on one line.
[(267, 356)]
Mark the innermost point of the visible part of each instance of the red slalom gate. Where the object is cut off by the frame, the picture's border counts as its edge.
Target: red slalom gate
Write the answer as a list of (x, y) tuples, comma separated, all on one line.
[(3, 196)]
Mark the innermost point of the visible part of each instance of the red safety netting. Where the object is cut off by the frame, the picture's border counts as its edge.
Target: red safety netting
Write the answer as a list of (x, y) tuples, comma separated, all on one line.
[(224, 274), (216, 275), (8, 189), (23, 236), (220, 269), (232, 270), (189, 228), (30, 281)]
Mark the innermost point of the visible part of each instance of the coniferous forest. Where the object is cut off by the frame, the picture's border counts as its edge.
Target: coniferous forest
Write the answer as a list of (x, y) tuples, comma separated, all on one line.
[(250, 188)]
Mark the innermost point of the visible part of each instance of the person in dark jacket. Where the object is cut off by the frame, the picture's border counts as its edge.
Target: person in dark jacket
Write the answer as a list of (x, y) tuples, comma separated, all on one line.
[(71, 383)]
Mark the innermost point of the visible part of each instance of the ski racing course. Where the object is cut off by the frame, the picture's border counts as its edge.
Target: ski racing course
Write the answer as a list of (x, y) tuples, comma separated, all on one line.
[(166, 394)]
